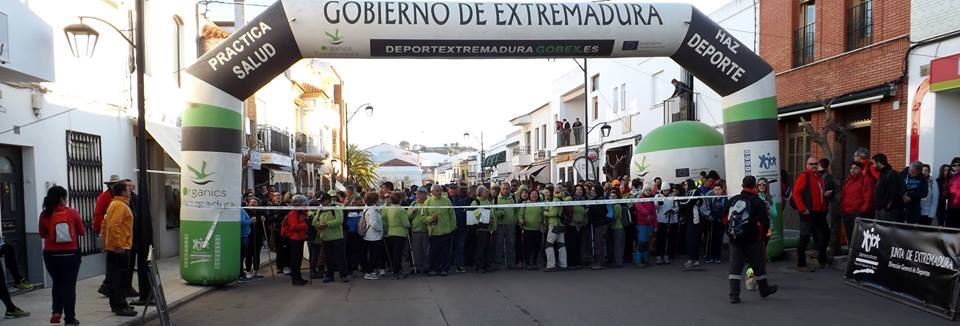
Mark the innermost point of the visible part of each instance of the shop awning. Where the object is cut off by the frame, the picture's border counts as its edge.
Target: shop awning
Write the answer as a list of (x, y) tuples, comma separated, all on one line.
[(871, 95), (541, 173), (280, 176), (493, 160), (168, 137)]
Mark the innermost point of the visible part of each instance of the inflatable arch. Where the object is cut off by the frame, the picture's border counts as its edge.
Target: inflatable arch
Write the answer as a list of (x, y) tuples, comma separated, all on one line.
[(290, 30)]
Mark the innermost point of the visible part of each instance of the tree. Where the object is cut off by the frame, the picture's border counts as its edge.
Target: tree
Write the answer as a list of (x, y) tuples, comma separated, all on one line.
[(829, 136), (362, 169), (405, 145)]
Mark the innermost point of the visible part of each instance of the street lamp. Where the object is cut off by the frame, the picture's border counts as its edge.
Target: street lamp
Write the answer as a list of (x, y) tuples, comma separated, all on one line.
[(483, 152), (83, 33), (346, 142)]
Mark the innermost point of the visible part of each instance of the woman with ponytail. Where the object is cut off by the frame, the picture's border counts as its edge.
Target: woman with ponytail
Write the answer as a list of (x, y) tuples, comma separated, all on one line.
[(59, 227)]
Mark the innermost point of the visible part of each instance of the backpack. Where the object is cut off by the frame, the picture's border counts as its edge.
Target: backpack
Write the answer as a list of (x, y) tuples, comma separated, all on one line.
[(312, 231), (285, 228), (362, 224), (62, 231), (738, 220)]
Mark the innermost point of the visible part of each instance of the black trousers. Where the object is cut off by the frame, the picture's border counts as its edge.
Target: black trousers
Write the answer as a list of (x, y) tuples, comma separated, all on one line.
[(334, 254), (354, 251), (441, 247), (296, 258), (63, 267), (848, 223), (4, 293), (251, 261), (814, 225), (244, 252), (395, 248), (694, 234), (483, 253), (666, 240), (531, 247), (374, 255), (281, 245), (715, 239), (314, 260), (118, 271), (10, 258), (740, 256), (952, 218), (572, 237), (138, 262)]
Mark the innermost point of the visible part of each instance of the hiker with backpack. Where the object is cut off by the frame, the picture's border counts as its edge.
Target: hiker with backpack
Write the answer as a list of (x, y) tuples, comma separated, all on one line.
[(441, 222), (691, 216), (59, 227), (600, 217), (556, 251), (531, 219), (354, 244), (575, 235), (808, 199), (294, 229), (505, 238), (856, 197), (329, 225), (370, 228), (646, 221), (748, 223), (485, 231)]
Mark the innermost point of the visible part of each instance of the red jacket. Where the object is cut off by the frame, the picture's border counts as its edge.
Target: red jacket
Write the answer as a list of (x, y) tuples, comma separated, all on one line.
[(953, 191), (809, 179), (100, 209), (295, 226), (870, 170), (646, 212), (47, 224), (856, 197)]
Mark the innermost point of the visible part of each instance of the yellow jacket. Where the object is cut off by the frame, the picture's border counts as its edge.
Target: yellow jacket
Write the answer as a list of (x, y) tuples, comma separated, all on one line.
[(118, 225)]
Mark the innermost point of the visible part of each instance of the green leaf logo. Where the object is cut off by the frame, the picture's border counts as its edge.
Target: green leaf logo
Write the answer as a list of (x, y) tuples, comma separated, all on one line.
[(199, 176), (335, 38)]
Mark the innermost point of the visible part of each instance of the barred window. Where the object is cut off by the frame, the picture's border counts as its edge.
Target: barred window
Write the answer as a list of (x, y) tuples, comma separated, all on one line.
[(859, 24)]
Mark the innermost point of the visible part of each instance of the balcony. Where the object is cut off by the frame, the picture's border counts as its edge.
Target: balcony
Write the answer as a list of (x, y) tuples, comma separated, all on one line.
[(521, 156), (541, 155), (573, 137), (273, 140)]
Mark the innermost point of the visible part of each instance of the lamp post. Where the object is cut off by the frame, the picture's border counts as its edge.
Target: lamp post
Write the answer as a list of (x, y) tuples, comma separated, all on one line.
[(604, 133), (334, 164), (81, 32), (483, 152), (346, 143)]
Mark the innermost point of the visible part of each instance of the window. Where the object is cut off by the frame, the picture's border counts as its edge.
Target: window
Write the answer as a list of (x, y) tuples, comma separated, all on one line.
[(596, 108), (859, 24), (623, 97), (536, 143), (526, 141), (178, 49), (595, 83), (171, 192), (544, 136), (84, 175), (805, 35), (616, 99), (797, 147)]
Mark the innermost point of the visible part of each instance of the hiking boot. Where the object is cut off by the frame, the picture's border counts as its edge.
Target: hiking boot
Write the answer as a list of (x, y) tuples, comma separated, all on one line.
[(55, 318), (24, 285), (72, 323), (131, 293), (299, 282), (125, 312), (550, 269), (666, 261), (734, 298), (767, 290), (104, 290), (461, 270), (371, 276), (16, 313), (286, 270), (691, 264)]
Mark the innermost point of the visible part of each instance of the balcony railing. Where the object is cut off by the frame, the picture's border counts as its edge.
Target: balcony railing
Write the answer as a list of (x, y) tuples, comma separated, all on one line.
[(679, 108), (541, 155), (803, 48), (571, 137), (274, 140), (860, 25), (521, 150)]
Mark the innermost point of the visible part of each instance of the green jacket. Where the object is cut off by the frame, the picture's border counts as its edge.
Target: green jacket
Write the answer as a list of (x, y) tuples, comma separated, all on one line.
[(446, 219), (533, 217), (553, 213), (617, 217), (579, 214), (333, 219), (397, 220), (507, 216), (416, 213)]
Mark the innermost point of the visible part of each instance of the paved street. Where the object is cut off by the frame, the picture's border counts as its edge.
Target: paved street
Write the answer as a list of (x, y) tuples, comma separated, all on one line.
[(628, 296)]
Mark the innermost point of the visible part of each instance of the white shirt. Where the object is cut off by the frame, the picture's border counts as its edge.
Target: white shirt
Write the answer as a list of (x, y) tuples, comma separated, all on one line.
[(668, 205), (371, 217)]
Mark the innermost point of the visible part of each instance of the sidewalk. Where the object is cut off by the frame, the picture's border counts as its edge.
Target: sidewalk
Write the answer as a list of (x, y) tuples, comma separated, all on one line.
[(93, 309)]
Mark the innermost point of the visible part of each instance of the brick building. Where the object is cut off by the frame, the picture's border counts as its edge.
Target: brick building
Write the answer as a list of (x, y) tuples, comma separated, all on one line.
[(849, 53)]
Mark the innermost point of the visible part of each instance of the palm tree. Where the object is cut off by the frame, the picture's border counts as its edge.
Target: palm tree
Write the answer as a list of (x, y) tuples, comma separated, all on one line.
[(362, 169)]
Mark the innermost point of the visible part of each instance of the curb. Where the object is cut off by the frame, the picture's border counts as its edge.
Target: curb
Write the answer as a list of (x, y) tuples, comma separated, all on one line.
[(153, 314)]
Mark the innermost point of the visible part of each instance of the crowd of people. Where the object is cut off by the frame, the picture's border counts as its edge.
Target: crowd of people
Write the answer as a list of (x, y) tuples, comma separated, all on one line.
[(435, 230), (829, 207)]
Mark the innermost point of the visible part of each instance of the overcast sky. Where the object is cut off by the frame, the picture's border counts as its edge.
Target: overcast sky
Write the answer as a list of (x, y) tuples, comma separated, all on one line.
[(432, 102)]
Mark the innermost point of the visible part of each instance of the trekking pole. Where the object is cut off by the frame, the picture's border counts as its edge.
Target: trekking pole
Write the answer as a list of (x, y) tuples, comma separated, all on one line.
[(413, 261), (273, 271)]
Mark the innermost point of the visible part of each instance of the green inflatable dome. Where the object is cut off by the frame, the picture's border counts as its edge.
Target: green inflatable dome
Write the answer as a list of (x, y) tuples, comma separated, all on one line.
[(680, 134)]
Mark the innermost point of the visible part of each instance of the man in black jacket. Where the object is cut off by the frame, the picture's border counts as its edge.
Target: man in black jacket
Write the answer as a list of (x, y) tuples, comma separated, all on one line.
[(748, 226), (914, 190), (888, 198)]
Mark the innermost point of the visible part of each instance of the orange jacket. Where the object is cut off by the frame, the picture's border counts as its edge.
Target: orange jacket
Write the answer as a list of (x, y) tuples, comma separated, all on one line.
[(117, 229)]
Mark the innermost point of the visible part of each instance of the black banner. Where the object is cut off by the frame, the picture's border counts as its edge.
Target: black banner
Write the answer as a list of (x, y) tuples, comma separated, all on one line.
[(914, 264), (717, 58), (490, 48), (252, 56)]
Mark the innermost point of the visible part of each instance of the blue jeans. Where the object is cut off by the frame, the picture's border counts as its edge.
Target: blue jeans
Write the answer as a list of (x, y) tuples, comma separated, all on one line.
[(643, 243), (459, 245)]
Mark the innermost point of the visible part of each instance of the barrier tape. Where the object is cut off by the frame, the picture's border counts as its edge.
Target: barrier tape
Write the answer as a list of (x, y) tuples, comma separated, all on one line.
[(537, 204)]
